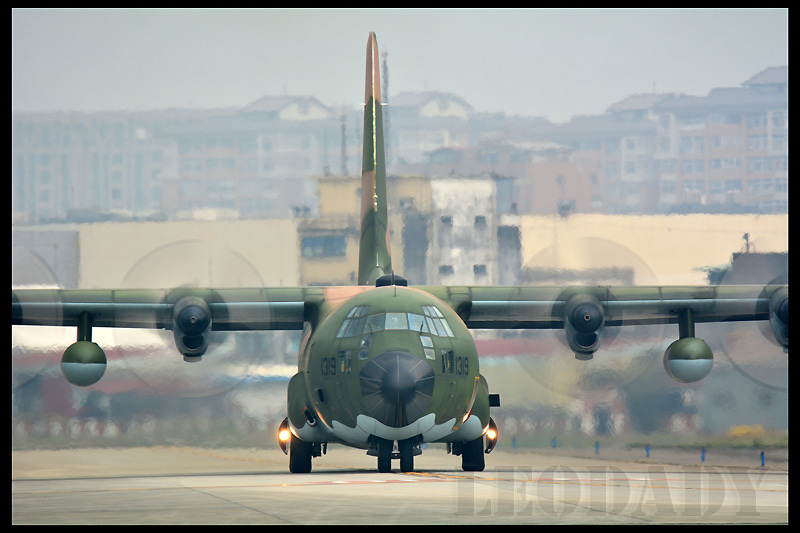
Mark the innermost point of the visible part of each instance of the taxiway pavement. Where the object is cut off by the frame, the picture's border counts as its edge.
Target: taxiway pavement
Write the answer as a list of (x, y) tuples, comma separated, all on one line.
[(181, 485)]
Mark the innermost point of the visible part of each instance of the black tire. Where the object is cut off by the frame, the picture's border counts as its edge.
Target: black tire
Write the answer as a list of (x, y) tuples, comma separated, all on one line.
[(299, 456), (406, 455), (472, 459), (384, 456)]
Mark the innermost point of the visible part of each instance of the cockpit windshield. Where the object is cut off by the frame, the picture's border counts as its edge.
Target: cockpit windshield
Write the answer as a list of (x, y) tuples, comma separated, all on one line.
[(430, 320)]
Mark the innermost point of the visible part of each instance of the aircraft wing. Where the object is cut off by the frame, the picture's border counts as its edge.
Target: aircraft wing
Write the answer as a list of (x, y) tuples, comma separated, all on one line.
[(583, 312), (480, 307), (226, 309), (517, 307)]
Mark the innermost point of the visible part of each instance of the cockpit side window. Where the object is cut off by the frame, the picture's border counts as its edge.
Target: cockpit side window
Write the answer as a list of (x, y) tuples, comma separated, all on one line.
[(374, 323), (355, 327), (359, 310), (436, 322), (354, 323)]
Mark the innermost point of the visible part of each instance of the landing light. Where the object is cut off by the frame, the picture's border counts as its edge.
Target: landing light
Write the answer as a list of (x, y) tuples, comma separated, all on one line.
[(284, 435), (491, 436)]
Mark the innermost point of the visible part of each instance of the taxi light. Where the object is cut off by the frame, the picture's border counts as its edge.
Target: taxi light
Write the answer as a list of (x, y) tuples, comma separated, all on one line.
[(284, 435)]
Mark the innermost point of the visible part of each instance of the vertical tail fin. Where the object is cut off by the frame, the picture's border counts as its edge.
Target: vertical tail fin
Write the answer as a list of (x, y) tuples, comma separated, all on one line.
[(374, 256)]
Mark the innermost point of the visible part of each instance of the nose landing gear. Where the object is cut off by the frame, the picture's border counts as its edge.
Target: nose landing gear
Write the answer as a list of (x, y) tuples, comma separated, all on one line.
[(386, 450)]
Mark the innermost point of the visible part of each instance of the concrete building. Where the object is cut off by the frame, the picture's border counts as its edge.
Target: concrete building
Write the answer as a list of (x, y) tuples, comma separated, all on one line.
[(221, 253), (645, 250), (91, 162), (616, 149), (257, 160), (422, 122), (652, 153), (467, 235), (47, 255), (730, 147), (434, 224)]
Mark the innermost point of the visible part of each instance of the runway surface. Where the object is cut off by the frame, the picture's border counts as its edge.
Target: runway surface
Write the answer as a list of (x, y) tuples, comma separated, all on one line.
[(179, 485)]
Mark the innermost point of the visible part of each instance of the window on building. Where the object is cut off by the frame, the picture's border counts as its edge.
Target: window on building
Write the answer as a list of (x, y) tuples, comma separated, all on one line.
[(756, 120), (612, 169), (692, 145), (756, 142), (759, 164), (779, 144), (732, 118), (778, 119), (733, 185), (323, 246)]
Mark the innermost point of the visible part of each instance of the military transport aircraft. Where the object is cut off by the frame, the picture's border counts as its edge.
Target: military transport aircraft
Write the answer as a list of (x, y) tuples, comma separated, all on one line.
[(384, 366)]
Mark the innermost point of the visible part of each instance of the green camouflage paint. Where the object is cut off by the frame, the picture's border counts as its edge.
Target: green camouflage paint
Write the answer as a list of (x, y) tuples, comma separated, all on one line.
[(374, 259)]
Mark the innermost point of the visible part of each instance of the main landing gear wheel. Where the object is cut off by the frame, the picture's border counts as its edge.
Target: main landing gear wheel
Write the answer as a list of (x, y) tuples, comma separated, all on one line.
[(384, 456), (299, 456), (406, 449), (472, 459)]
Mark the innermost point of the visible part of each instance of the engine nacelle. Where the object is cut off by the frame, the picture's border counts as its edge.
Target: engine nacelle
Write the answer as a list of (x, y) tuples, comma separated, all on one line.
[(688, 360), (583, 322), (83, 363), (191, 327), (779, 317)]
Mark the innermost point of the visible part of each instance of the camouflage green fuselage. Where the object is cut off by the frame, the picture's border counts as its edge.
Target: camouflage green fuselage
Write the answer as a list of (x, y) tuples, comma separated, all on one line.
[(338, 393)]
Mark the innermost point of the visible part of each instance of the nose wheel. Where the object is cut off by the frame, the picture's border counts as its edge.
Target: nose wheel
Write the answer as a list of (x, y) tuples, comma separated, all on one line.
[(405, 452), (384, 455)]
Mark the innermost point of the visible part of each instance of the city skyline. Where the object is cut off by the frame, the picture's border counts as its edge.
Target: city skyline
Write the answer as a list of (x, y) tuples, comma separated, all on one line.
[(491, 58)]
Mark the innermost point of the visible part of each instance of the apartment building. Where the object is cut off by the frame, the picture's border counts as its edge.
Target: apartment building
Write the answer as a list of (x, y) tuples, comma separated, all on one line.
[(727, 148), (256, 160), (723, 152), (91, 162)]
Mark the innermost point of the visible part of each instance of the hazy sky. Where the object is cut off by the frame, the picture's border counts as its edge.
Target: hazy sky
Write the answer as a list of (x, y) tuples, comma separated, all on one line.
[(546, 62)]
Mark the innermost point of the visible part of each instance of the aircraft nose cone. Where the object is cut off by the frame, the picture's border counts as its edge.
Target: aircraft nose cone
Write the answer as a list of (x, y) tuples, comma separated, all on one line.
[(397, 387), (397, 382)]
